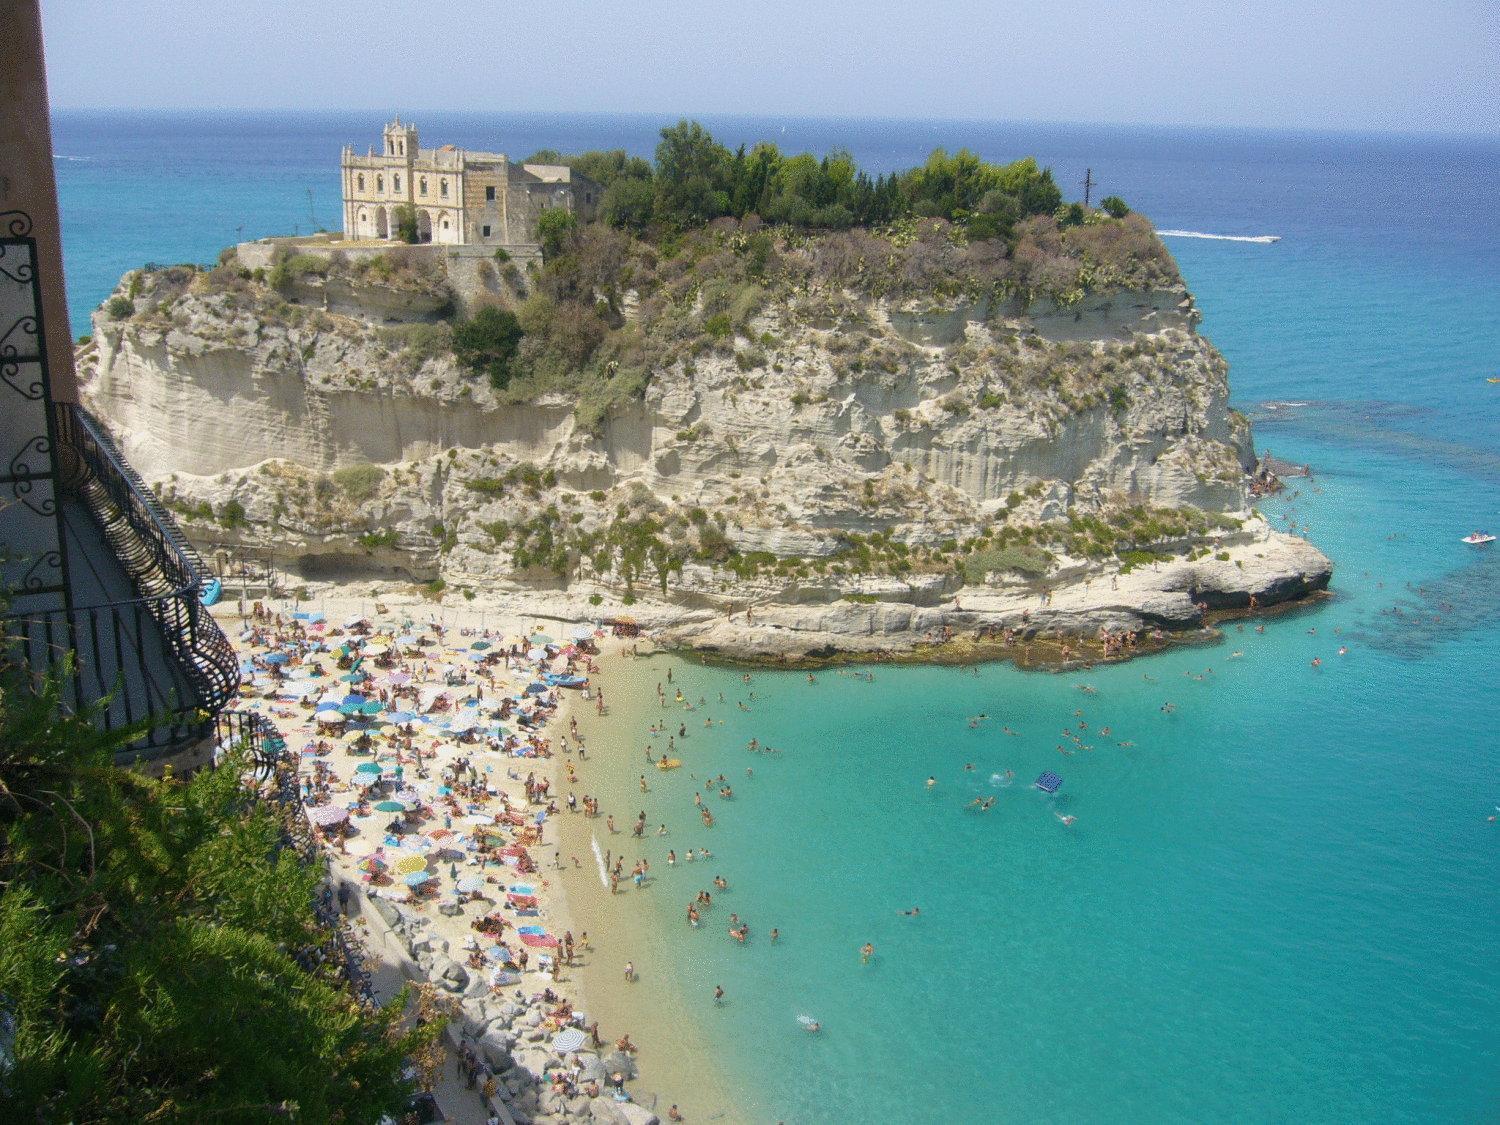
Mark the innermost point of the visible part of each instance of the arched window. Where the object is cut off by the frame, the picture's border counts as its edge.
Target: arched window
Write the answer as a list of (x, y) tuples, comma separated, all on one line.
[(396, 182), (360, 180), (379, 183), (422, 185), (403, 148), (443, 188)]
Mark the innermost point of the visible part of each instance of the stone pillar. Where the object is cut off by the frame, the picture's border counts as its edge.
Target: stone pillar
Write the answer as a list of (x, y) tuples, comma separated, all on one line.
[(26, 176)]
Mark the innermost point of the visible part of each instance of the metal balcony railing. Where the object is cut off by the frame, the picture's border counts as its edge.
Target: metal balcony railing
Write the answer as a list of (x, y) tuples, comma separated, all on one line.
[(159, 658)]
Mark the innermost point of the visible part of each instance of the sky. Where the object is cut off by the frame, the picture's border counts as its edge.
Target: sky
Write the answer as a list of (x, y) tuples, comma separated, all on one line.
[(1383, 65)]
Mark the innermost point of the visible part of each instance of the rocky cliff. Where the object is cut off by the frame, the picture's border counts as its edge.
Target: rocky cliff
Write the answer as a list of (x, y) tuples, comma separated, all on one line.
[(859, 466)]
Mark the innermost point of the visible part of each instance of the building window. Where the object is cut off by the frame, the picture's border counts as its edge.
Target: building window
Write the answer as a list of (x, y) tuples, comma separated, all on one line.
[(485, 231), (396, 182), (379, 183), (422, 185), (443, 188), (445, 224), (489, 195), (361, 182)]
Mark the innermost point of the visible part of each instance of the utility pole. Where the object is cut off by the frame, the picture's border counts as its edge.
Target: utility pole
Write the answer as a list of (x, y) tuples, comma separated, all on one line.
[(1088, 184), (312, 218)]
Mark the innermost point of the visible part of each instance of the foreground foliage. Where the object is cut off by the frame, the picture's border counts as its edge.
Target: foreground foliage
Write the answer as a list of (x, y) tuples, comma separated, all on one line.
[(158, 948)]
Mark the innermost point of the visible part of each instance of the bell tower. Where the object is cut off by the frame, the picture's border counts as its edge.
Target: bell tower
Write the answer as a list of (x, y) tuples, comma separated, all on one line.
[(401, 141)]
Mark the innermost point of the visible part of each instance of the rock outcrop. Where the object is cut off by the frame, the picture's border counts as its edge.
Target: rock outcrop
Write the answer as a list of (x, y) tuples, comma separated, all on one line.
[(865, 465)]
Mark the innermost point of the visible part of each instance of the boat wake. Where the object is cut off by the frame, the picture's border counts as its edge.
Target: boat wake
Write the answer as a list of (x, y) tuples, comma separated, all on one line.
[(1220, 237), (599, 860)]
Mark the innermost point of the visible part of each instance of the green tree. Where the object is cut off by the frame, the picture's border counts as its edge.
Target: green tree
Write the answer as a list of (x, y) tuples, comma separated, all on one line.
[(629, 203), (1114, 206), (406, 223), (487, 343), (554, 226), (693, 174)]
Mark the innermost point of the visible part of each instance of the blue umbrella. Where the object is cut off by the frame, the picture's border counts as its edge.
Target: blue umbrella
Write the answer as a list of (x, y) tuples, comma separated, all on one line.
[(401, 716), (351, 700), (354, 677), (276, 658), (416, 878), (328, 706)]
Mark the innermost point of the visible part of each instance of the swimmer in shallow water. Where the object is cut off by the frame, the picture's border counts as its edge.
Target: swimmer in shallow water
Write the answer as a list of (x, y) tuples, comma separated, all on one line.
[(1067, 820)]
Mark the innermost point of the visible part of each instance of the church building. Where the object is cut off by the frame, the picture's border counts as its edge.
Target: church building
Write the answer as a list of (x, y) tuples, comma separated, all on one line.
[(457, 197)]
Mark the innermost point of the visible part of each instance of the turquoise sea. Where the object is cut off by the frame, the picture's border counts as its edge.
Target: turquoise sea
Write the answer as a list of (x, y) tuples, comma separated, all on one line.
[(1281, 903)]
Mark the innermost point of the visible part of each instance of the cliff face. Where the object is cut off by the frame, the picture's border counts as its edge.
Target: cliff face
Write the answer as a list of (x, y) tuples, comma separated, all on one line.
[(835, 442)]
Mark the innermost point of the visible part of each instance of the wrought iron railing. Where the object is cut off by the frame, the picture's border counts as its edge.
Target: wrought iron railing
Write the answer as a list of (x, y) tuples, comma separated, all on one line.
[(102, 648)]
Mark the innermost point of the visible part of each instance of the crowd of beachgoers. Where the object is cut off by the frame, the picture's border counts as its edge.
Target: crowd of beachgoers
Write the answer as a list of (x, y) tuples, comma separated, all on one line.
[(425, 768)]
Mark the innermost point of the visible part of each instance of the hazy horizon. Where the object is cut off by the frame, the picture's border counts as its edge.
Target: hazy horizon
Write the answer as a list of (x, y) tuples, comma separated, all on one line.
[(1381, 66)]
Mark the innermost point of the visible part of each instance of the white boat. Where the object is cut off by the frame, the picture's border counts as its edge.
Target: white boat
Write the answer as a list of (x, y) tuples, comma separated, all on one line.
[(1478, 538)]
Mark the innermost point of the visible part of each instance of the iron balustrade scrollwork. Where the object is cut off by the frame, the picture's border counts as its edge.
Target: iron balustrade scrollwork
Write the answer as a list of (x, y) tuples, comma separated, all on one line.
[(169, 578), (16, 233)]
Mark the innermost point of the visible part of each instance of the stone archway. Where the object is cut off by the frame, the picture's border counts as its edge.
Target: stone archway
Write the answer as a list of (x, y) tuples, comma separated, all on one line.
[(424, 226), (382, 223)]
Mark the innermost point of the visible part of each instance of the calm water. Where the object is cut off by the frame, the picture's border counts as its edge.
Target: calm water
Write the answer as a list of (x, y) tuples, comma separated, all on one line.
[(1281, 902)]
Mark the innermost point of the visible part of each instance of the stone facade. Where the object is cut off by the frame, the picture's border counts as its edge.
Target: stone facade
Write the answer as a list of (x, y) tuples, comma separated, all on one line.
[(461, 198)]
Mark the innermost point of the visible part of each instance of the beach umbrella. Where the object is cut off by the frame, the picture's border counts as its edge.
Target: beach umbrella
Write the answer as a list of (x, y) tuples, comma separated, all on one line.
[(327, 815), (354, 677), (353, 699), (473, 884), (415, 878), (371, 864), (536, 654), (406, 864), (541, 639), (568, 1039), (401, 717), (327, 705), (400, 679), (583, 633), (275, 658), (409, 795), (389, 806), (330, 717), (367, 768), (371, 707), (480, 646)]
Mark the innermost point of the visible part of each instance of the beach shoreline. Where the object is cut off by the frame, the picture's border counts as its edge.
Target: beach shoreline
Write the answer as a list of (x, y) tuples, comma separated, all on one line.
[(435, 941)]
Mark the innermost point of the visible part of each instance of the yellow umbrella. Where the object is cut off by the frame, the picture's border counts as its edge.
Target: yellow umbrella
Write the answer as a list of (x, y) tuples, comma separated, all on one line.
[(410, 864)]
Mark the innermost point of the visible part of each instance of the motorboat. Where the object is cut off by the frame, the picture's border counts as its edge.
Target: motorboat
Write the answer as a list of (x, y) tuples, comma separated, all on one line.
[(1478, 539)]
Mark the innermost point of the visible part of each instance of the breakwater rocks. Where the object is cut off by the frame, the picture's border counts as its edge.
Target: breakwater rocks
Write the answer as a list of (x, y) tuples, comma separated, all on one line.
[(507, 1031)]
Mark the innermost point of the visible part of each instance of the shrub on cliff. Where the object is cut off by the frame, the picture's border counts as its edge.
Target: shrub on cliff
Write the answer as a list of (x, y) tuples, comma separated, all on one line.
[(119, 307), (487, 343)]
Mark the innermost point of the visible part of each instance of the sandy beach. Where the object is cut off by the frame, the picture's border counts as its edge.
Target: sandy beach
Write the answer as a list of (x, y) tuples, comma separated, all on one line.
[(440, 778)]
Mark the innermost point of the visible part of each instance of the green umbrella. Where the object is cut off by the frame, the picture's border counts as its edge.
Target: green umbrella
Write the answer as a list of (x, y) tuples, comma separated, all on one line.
[(389, 806)]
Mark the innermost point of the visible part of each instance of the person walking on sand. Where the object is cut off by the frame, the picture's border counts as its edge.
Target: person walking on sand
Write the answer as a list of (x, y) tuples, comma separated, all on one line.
[(630, 971)]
